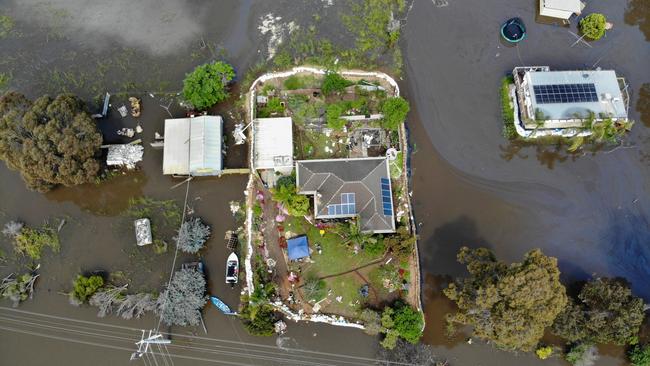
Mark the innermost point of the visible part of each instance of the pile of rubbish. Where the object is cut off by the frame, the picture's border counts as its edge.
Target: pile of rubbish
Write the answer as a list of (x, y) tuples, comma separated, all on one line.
[(135, 106), (124, 155), (143, 232)]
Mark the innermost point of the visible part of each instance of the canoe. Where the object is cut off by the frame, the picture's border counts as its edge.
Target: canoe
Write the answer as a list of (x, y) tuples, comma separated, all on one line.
[(221, 305), (232, 269)]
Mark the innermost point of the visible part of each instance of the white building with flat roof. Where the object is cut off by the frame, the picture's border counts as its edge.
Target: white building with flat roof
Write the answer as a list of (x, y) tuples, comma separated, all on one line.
[(567, 99), (273, 144), (193, 146)]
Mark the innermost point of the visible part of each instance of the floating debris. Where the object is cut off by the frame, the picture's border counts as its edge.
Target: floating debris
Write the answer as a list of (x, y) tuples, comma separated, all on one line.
[(124, 155), (143, 232), (135, 106), (123, 111)]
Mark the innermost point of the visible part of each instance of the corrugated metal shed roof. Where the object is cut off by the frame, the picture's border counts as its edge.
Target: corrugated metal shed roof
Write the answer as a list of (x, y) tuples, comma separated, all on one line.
[(273, 143), (610, 100), (193, 146)]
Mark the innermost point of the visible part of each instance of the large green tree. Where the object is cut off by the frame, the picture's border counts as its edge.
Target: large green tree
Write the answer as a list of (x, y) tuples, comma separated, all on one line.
[(50, 141), (606, 311), (510, 305), (207, 85)]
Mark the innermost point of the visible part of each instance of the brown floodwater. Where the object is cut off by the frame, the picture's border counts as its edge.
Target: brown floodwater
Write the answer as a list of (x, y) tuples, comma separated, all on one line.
[(470, 186)]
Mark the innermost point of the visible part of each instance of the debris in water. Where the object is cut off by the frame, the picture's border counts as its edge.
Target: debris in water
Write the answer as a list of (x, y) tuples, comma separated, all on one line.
[(123, 111), (135, 106), (143, 231), (60, 225)]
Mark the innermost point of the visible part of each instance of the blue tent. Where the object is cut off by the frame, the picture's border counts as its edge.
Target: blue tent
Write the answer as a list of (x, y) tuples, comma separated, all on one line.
[(298, 248)]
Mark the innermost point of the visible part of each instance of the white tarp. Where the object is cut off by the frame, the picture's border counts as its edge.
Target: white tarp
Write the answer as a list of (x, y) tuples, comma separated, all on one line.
[(562, 9)]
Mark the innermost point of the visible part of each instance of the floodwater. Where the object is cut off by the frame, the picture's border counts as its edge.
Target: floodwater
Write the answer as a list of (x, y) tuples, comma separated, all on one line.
[(470, 186)]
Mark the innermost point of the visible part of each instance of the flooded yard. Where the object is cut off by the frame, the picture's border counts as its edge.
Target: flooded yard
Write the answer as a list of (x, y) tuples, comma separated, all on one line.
[(470, 186)]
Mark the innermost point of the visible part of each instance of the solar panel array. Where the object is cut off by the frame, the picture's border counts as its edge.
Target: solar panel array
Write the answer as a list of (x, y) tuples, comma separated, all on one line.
[(386, 198), (565, 93), (347, 206)]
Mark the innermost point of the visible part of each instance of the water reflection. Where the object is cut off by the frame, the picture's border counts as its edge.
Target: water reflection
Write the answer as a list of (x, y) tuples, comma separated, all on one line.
[(108, 199), (638, 13), (547, 155), (643, 104), (437, 305)]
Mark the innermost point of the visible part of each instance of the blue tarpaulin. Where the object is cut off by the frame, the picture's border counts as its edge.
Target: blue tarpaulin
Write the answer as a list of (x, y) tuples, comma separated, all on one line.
[(298, 247)]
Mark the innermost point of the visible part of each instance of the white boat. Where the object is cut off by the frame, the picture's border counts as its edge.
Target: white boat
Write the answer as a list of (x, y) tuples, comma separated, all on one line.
[(232, 269)]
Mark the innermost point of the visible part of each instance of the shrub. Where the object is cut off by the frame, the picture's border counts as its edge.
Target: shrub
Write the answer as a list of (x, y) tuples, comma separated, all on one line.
[(375, 247), (395, 111), (207, 84), (593, 26), (32, 241), (544, 352), (273, 107), (640, 355), (18, 289), (192, 235), (334, 83), (582, 354), (85, 287), (286, 193), (333, 115)]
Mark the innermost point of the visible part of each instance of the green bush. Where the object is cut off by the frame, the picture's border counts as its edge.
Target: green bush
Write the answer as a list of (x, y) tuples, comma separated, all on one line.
[(273, 107), (334, 83), (32, 241), (507, 110), (259, 320), (640, 355), (375, 248), (207, 84), (85, 287), (333, 116), (593, 26), (287, 194), (544, 352), (395, 111), (408, 323), (582, 354)]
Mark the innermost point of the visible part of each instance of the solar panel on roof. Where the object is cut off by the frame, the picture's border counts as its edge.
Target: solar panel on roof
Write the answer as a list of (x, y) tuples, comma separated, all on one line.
[(386, 198), (346, 207), (565, 93)]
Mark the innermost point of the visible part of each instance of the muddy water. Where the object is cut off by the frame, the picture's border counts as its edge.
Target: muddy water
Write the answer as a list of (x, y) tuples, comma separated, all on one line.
[(470, 186)]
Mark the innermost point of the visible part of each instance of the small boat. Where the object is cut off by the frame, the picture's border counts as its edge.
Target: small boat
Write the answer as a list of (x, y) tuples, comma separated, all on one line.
[(221, 306), (232, 269), (513, 30)]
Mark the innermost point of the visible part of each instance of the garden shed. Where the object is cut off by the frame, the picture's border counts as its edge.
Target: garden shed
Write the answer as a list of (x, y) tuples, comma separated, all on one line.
[(298, 248), (273, 144), (193, 146)]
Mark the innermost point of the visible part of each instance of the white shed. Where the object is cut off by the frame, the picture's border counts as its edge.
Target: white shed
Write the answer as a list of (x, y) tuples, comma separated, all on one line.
[(562, 9), (193, 146), (273, 144)]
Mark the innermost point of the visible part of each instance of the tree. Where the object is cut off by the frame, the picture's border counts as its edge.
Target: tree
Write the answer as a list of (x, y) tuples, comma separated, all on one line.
[(192, 235), (593, 26), (408, 323), (401, 243), (405, 353), (582, 354), (607, 312), (207, 84), (49, 141), (286, 193), (84, 287), (258, 320), (640, 355), (314, 288), (371, 321), (333, 116), (509, 305), (394, 110), (182, 301), (333, 82), (18, 289)]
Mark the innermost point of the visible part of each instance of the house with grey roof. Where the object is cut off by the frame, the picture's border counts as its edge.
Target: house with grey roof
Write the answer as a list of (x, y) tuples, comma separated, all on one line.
[(558, 100), (347, 188)]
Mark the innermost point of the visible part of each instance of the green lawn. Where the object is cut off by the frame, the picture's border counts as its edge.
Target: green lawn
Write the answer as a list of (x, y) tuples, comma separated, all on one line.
[(346, 286), (335, 257)]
